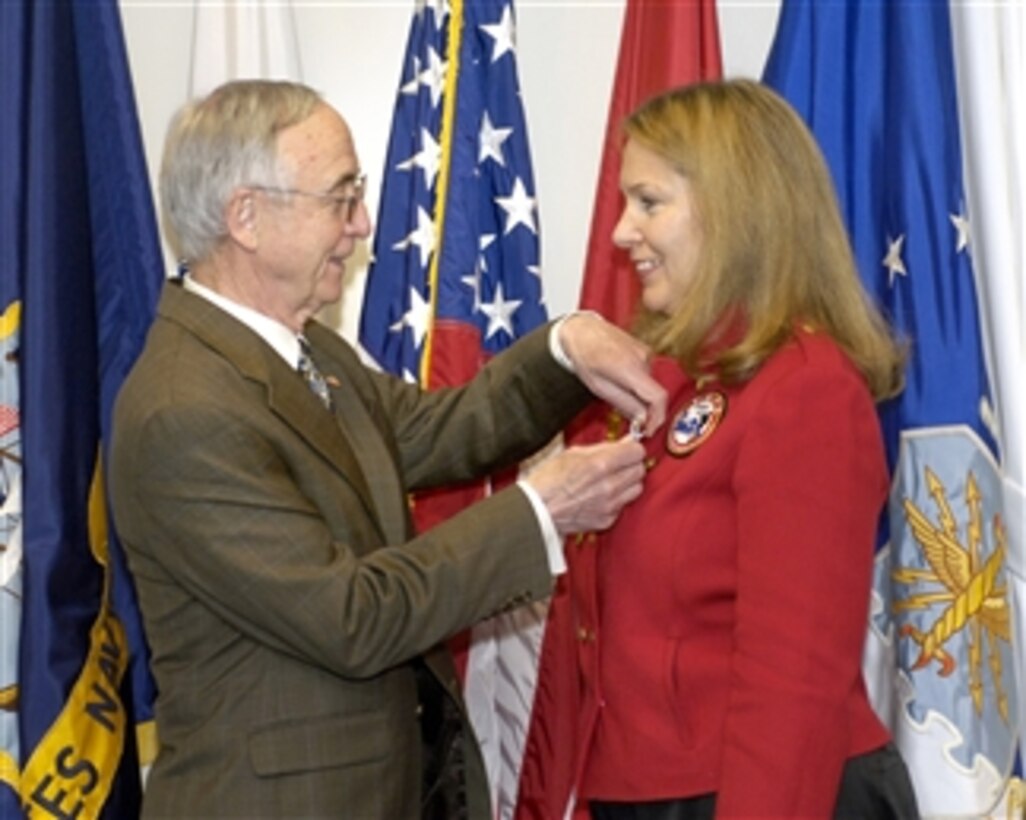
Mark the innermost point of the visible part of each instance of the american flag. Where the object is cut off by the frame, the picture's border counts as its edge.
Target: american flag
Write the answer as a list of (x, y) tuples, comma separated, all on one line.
[(455, 279)]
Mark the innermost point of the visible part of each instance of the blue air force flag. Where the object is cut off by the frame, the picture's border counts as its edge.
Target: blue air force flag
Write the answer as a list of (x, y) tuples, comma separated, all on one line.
[(875, 81)]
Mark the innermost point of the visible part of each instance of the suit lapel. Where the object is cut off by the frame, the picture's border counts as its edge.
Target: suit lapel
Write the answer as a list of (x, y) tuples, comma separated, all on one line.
[(364, 437), (300, 409), (305, 414)]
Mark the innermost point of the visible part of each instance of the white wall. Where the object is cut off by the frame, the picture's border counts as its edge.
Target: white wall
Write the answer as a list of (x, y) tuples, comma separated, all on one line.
[(353, 51)]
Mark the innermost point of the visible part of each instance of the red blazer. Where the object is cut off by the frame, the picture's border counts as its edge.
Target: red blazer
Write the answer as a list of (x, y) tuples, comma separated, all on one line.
[(720, 623)]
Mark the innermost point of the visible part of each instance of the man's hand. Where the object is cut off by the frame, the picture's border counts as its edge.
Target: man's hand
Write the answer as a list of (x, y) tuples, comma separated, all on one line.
[(584, 488), (614, 366)]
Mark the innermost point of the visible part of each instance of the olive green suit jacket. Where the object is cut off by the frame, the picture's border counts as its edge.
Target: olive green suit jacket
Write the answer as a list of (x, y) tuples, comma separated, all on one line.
[(285, 597)]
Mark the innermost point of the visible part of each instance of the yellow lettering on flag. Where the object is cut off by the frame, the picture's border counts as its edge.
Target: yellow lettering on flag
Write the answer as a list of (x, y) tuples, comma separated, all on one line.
[(71, 769)]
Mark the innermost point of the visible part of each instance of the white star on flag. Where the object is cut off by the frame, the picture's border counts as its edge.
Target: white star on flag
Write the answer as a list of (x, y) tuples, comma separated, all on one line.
[(893, 261), (491, 141), (417, 318), (961, 225), (474, 283), (474, 280), (423, 236), (411, 87), (499, 313), (484, 243), (439, 7), (503, 33), (434, 76), (519, 208), (429, 158)]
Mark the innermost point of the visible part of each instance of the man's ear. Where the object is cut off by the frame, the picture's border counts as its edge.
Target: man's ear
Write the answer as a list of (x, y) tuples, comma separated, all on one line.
[(241, 218)]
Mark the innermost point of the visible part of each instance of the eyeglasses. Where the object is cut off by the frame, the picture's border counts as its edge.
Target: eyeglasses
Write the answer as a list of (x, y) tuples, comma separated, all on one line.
[(343, 205)]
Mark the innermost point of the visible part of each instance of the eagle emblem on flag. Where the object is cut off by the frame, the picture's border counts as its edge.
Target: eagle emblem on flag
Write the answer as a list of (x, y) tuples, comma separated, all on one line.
[(945, 593)]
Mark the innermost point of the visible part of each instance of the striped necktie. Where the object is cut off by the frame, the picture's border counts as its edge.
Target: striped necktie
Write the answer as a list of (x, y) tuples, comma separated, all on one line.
[(311, 375)]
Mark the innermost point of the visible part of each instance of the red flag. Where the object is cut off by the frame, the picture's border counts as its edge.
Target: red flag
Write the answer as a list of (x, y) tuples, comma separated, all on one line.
[(664, 43)]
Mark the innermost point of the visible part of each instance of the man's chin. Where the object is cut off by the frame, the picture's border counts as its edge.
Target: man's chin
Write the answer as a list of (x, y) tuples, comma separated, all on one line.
[(327, 294)]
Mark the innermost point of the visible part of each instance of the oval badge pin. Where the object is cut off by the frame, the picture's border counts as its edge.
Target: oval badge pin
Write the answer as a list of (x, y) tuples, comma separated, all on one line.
[(695, 423)]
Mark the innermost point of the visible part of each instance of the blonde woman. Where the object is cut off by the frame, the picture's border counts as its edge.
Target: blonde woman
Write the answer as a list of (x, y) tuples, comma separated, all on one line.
[(720, 634)]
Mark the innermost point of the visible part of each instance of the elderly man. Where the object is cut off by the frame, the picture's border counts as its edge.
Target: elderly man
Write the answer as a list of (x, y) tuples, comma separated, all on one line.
[(294, 616)]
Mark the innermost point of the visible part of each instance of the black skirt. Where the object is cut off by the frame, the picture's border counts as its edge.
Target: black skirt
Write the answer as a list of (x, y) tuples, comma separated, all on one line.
[(874, 786)]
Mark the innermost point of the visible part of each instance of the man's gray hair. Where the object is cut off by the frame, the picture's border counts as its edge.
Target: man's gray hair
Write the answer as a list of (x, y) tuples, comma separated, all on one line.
[(217, 144)]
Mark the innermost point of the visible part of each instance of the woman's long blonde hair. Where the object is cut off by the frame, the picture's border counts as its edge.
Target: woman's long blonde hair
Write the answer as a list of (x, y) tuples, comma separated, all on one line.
[(775, 253)]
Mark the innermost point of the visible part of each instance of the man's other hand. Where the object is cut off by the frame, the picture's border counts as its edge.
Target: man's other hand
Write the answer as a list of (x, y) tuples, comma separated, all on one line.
[(584, 488)]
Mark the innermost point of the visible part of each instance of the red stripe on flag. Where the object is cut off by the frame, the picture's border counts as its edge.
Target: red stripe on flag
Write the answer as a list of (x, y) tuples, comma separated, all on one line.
[(456, 353), (456, 357)]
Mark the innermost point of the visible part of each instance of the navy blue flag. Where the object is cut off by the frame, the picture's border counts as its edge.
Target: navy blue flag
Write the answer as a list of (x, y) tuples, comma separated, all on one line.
[(455, 275), (875, 81), (80, 269)]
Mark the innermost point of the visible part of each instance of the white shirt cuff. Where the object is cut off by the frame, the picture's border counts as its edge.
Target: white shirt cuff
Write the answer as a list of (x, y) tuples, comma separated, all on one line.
[(553, 543), (556, 346)]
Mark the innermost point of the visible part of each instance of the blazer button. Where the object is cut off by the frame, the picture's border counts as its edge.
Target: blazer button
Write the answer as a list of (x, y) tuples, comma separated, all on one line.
[(518, 600)]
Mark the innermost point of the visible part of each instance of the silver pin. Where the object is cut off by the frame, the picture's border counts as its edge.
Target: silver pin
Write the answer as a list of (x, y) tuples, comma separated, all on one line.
[(636, 432)]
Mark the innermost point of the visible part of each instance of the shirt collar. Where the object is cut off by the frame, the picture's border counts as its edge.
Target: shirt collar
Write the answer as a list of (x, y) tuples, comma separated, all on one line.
[(284, 342)]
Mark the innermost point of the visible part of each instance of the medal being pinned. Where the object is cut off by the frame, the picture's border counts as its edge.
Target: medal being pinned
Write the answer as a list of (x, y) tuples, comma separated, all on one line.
[(695, 423)]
